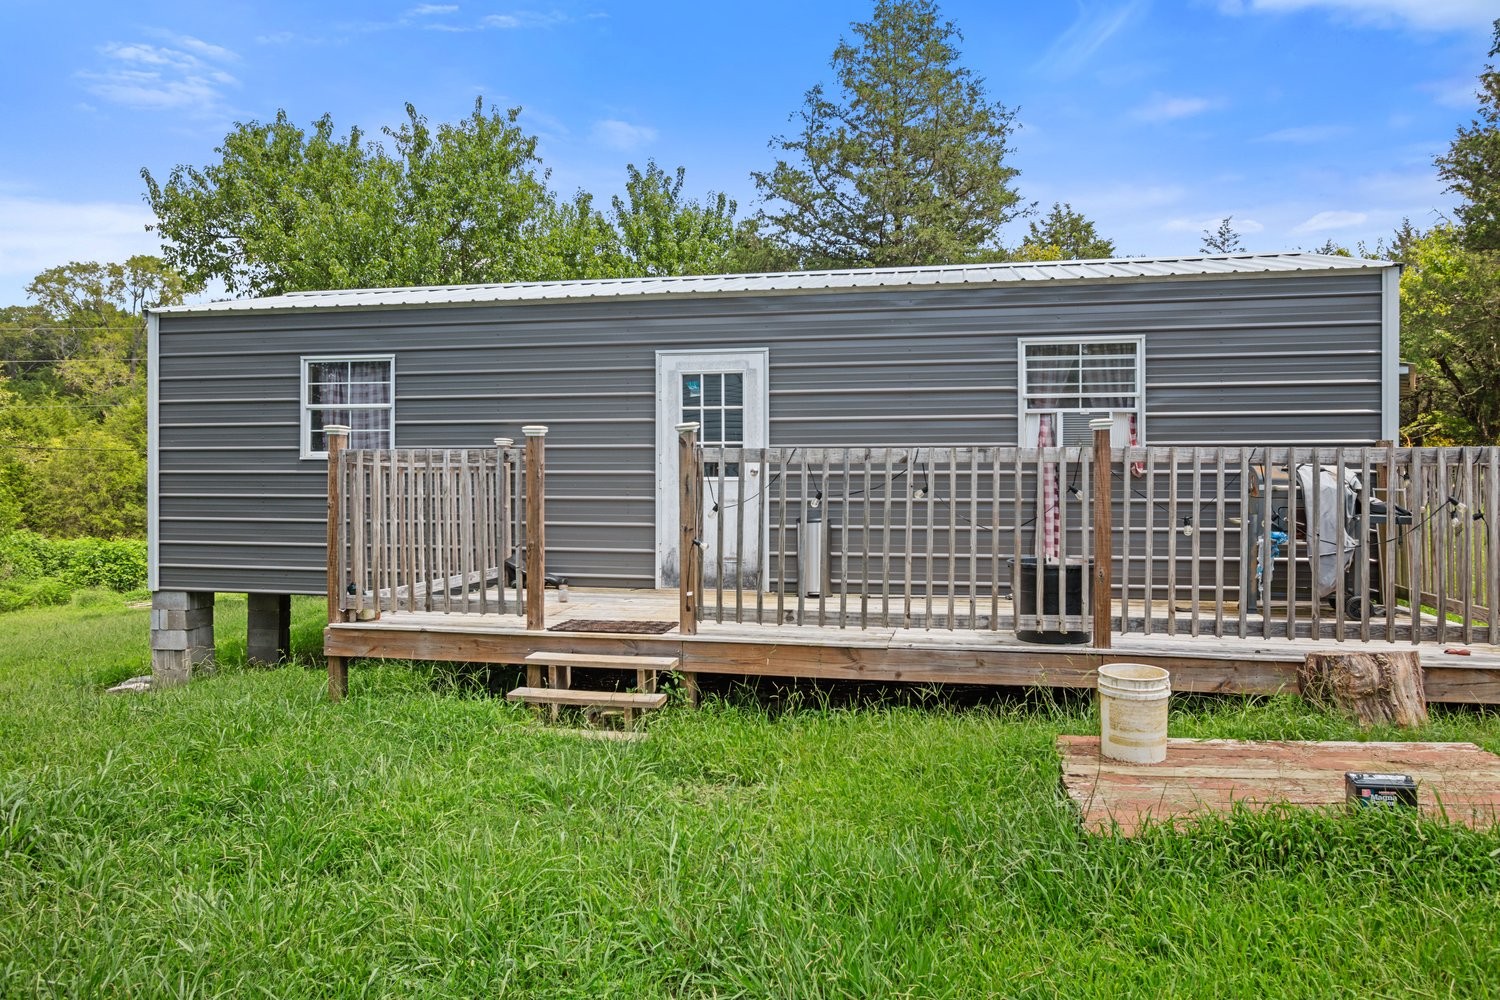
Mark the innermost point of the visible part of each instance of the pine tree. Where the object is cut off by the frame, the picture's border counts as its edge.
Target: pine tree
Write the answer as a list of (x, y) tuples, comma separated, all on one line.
[(905, 165)]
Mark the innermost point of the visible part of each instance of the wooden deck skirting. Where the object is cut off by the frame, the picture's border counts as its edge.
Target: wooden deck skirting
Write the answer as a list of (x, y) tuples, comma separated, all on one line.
[(1202, 665)]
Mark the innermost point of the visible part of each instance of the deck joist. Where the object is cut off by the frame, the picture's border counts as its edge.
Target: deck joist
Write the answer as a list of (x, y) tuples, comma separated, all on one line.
[(1202, 664)]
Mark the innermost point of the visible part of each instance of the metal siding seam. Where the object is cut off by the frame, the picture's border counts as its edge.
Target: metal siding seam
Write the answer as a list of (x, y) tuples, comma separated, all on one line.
[(1390, 353), (153, 460)]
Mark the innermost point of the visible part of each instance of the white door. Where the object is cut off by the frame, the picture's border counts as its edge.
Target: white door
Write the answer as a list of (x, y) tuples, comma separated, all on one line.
[(725, 394)]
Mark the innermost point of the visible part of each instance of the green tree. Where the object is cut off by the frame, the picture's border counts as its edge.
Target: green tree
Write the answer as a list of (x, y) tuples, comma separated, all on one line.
[(1063, 234), (73, 416), (1450, 330), (906, 165), (1472, 164), (90, 482), (287, 210), (1222, 240), (95, 313), (661, 232), (578, 241)]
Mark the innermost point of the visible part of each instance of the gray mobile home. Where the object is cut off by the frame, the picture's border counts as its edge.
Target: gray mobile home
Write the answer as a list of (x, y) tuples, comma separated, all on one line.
[(1224, 350)]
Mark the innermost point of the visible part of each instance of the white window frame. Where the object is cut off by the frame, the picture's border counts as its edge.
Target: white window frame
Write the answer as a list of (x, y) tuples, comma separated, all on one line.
[(307, 408), (1121, 435)]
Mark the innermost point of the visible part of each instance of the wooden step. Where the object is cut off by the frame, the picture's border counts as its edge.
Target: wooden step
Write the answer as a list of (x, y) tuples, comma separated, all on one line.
[(587, 699), (603, 661)]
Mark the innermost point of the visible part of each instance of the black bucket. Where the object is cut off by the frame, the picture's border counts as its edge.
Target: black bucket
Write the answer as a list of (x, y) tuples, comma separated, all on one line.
[(1054, 579)]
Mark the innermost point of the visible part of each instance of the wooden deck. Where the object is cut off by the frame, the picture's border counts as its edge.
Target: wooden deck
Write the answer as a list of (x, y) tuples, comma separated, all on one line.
[(1458, 782), (1199, 664)]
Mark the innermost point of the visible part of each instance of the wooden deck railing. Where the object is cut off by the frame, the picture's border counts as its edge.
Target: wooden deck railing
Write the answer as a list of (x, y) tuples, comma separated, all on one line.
[(1383, 524), (1339, 543), (1204, 541), (430, 529), (899, 537)]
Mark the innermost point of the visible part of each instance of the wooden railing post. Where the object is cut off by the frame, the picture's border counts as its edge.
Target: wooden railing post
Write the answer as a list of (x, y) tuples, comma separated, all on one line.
[(690, 520), (1102, 599), (337, 436), (536, 526), (503, 501)]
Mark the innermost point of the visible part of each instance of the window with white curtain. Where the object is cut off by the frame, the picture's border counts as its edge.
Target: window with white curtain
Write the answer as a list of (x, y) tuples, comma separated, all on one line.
[(358, 391), (1066, 382)]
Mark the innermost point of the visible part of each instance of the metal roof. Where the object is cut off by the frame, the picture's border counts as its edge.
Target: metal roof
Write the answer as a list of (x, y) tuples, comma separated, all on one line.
[(1124, 269)]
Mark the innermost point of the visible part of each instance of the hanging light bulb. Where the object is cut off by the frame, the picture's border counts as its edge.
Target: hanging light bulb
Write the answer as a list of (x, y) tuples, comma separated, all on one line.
[(1075, 493), (1187, 526)]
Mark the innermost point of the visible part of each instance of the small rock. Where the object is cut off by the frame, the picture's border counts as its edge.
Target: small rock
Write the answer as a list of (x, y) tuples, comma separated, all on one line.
[(134, 685)]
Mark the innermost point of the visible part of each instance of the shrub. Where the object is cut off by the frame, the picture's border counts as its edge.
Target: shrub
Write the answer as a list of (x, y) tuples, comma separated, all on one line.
[(78, 563), (46, 592), (95, 597), (23, 556), (49, 592)]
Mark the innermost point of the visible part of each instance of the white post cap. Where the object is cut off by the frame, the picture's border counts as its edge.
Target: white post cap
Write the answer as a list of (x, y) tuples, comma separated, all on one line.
[(335, 429), (504, 442), (1102, 423), (534, 430), (684, 428)]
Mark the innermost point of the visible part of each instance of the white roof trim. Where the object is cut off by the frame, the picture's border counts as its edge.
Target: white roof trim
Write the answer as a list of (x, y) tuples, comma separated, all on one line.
[(1127, 269)]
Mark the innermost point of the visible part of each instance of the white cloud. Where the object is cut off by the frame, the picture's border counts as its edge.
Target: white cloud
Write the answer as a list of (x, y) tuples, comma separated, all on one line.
[(1308, 134), (41, 233), (1086, 35), (623, 136), (429, 9), (197, 46), (1457, 92), (525, 19), (1162, 108), (1126, 197), (1429, 15), (1239, 225), (180, 77), (1326, 221)]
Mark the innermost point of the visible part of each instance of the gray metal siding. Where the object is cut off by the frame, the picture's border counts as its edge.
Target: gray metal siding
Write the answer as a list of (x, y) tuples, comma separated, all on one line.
[(1253, 359)]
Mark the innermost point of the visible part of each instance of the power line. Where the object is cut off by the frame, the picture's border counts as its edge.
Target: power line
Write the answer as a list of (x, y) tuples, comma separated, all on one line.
[(63, 406), (81, 357), (43, 447)]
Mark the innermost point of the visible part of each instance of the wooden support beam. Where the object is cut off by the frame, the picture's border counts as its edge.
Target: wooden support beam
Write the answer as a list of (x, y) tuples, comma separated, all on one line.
[(338, 678), (690, 521), (336, 435), (536, 526), (1103, 582)]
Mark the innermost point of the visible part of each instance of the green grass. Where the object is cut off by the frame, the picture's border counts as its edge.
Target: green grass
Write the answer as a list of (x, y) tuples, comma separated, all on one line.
[(243, 837)]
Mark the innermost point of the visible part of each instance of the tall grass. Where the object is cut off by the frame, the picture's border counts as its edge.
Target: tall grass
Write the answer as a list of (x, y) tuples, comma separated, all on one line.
[(243, 837)]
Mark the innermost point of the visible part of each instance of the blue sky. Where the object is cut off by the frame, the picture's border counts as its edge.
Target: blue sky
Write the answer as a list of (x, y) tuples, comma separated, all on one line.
[(1303, 119)]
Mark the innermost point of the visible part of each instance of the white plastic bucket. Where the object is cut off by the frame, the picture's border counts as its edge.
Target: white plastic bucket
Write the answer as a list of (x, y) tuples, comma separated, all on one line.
[(1133, 712)]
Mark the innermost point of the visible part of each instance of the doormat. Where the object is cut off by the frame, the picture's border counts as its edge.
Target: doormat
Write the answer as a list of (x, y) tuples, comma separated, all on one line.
[(604, 625)]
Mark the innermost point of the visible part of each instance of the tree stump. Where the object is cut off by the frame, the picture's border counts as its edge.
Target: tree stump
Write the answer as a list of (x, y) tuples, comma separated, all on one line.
[(1370, 687)]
